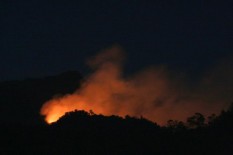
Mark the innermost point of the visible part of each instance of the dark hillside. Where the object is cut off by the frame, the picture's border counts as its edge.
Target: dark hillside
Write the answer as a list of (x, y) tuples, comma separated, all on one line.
[(23, 130), (22, 100)]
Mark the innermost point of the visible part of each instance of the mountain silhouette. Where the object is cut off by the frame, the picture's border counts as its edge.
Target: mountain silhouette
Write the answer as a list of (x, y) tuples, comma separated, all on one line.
[(23, 130), (21, 101)]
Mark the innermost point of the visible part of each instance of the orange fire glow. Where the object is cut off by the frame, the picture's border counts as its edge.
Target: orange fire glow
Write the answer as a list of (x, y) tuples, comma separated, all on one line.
[(150, 93)]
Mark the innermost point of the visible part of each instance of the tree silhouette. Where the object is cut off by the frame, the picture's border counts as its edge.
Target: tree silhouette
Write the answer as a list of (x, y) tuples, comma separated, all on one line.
[(176, 125), (196, 121), (211, 118), (81, 132)]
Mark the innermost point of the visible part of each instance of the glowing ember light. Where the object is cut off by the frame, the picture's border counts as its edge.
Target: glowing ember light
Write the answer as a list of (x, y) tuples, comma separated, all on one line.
[(150, 93), (52, 118)]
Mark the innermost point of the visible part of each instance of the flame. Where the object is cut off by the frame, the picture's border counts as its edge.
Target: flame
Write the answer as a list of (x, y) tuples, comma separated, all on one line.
[(150, 93)]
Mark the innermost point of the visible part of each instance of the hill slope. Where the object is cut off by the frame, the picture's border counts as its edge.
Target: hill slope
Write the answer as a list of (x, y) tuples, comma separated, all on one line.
[(22, 100)]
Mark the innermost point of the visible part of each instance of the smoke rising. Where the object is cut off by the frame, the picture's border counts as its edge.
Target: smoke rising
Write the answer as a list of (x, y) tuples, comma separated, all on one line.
[(153, 93)]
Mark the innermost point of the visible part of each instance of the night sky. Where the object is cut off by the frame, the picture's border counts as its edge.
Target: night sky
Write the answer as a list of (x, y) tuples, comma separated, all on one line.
[(40, 38)]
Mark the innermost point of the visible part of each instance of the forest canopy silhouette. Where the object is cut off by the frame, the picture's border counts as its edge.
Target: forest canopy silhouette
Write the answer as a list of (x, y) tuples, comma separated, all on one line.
[(158, 113), (85, 132), (155, 92), (81, 132)]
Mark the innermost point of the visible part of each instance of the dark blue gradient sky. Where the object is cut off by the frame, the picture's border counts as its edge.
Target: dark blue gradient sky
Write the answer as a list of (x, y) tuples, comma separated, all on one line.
[(40, 38)]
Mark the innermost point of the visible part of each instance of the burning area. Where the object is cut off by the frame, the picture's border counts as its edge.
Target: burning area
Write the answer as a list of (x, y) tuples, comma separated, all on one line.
[(153, 93)]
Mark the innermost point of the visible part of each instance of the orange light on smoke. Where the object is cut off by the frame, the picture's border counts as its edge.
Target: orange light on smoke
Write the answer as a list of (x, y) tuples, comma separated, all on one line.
[(150, 93)]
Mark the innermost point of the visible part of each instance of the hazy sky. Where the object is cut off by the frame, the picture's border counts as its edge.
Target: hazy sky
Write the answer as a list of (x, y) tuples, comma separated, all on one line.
[(41, 38)]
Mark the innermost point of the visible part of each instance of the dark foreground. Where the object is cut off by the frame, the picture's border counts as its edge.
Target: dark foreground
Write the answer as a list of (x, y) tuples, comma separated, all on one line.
[(80, 132), (22, 131)]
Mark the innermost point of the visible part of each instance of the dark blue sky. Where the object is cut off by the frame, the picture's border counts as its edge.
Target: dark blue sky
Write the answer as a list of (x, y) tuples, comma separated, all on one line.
[(41, 38)]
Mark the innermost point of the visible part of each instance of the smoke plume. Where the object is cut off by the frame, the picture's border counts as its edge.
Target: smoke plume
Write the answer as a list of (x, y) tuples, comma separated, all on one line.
[(153, 93)]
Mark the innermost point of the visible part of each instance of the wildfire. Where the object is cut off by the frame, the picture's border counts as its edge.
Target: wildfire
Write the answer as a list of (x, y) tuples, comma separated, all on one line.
[(150, 93)]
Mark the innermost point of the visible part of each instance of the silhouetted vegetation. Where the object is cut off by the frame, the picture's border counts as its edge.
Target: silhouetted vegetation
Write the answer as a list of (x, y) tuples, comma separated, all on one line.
[(81, 132)]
